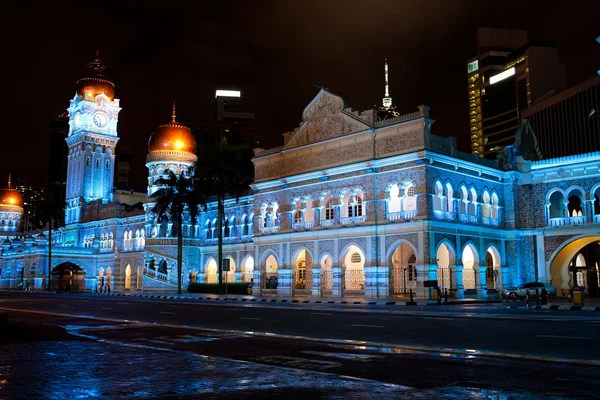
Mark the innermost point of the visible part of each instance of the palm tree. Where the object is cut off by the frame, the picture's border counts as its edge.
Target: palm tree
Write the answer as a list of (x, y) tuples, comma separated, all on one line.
[(53, 212), (227, 171), (178, 193)]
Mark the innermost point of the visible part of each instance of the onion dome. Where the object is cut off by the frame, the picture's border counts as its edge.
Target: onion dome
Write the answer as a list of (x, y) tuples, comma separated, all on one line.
[(10, 196), (94, 82), (172, 137)]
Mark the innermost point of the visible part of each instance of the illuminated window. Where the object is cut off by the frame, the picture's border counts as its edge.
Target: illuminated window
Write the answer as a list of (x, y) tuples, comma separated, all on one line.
[(328, 209)]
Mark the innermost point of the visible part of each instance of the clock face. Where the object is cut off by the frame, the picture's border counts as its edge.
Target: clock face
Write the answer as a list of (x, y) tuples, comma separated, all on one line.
[(100, 119), (77, 120)]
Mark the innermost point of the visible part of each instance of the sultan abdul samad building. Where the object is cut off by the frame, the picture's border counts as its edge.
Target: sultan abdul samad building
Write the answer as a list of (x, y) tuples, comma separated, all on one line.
[(350, 204)]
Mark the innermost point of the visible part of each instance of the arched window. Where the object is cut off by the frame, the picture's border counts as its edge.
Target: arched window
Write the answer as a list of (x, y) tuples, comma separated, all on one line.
[(97, 162), (557, 205), (245, 227), (410, 201), (226, 229), (107, 164), (232, 226), (449, 198), (208, 230), (264, 218), (494, 210), (298, 212), (142, 237), (438, 198), (355, 258), (575, 198), (473, 203), (87, 161), (394, 200), (355, 204), (485, 210), (328, 209), (464, 200)]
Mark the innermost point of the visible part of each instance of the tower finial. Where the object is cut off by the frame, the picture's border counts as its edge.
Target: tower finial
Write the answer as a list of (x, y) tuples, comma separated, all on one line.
[(9, 179), (387, 100), (173, 115)]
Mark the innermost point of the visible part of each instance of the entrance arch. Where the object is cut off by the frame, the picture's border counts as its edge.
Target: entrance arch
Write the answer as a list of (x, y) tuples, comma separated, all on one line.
[(68, 277), (445, 257), (402, 272), (302, 270), (128, 277), (354, 270), (247, 269), (326, 273), (576, 263), (271, 278), (210, 271), (229, 277), (470, 260), (493, 263)]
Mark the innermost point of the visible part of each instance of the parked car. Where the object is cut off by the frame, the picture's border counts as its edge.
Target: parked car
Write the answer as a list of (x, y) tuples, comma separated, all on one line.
[(521, 291)]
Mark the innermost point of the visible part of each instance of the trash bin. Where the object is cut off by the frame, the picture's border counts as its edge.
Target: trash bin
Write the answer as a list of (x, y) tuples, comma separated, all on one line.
[(249, 289), (578, 296), (435, 294)]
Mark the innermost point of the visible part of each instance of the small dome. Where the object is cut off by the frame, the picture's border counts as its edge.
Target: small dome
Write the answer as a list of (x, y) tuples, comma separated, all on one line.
[(10, 196), (172, 137), (95, 83)]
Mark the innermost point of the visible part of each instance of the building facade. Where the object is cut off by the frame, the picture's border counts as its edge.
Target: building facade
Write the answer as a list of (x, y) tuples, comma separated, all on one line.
[(350, 205)]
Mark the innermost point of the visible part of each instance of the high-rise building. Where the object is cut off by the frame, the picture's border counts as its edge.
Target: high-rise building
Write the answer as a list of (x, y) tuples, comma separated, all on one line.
[(508, 74), (33, 196), (575, 110)]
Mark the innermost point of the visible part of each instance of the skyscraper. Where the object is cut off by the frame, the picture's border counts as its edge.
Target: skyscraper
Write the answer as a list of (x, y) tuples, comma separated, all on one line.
[(508, 74)]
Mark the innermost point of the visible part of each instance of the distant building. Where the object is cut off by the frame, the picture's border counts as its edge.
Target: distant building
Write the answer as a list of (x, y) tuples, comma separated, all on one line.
[(57, 157), (508, 74), (575, 110), (123, 163), (33, 196)]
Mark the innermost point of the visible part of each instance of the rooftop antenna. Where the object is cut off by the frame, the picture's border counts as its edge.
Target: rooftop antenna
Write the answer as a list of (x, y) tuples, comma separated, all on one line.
[(387, 100)]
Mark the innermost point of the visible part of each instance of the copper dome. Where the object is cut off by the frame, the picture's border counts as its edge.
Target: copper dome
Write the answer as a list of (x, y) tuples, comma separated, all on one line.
[(172, 137), (10, 196), (95, 83)]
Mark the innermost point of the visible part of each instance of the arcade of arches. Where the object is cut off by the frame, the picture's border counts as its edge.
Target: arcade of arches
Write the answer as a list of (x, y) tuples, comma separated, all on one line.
[(577, 264), (67, 277)]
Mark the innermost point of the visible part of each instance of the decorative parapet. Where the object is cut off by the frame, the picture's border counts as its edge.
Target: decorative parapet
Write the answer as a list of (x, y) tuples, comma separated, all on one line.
[(353, 220), (269, 229), (401, 118), (490, 221), (326, 223), (564, 221), (171, 155), (595, 156), (467, 218)]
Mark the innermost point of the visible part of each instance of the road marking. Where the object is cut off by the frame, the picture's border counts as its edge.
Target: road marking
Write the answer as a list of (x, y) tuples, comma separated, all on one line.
[(167, 312), (343, 356), (321, 313), (295, 362), (172, 306), (122, 302), (85, 301), (254, 319), (440, 318), (367, 326), (562, 337), (64, 305), (107, 308), (345, 342)]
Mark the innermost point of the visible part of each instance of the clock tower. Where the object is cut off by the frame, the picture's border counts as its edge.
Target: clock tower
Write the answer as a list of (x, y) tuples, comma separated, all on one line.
[(92, 139)]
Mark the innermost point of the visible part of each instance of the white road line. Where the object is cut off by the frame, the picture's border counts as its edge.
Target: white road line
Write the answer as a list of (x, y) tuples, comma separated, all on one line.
[(107, 308), (440, 318), (562, 337), (321, 313), (255, 319), (172, 306), (368, 326), (122, 302), (167, 312)]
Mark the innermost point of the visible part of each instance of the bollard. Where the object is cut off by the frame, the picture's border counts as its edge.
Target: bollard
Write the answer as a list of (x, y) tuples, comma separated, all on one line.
[(411, 302), (446, 296)]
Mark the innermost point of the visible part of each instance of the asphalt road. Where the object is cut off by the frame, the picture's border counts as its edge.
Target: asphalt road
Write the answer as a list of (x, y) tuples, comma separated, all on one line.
[(489, 328)]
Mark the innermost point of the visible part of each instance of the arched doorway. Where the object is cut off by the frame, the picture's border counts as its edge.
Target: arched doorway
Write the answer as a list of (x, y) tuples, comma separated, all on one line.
[(576, 263), (101, 280), (354, 272), (248, 269), (302, 274), (445, 257), (210, 271), (492, 273), (402, 272), (326, 274), (128, 277), (139, 277), (470, 260), (271, 278), (109, 279), (68, 277), (229, 276)]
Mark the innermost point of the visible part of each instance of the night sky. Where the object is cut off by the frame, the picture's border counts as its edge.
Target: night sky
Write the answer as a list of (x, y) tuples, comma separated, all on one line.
[(274, 51)]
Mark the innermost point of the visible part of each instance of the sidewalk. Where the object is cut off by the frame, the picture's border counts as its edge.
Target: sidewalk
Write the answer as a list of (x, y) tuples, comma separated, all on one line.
[(388, 301)]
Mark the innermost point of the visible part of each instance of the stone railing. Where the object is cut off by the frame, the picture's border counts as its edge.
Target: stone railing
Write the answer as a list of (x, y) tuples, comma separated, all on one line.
[(563, 221), (326, 223), (467, 218), (269, 229), (402, 215), (297, 226), (490, 221), (308, 225), (159, 275), (353, 220), (401, 118)]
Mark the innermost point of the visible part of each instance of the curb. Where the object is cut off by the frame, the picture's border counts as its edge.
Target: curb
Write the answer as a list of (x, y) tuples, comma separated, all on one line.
[(558, 307)]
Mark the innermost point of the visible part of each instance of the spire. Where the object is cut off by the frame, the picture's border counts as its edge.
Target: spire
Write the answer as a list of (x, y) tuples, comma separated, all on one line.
[(387, 100), (9, 179), (96, 64), (173, 115)]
